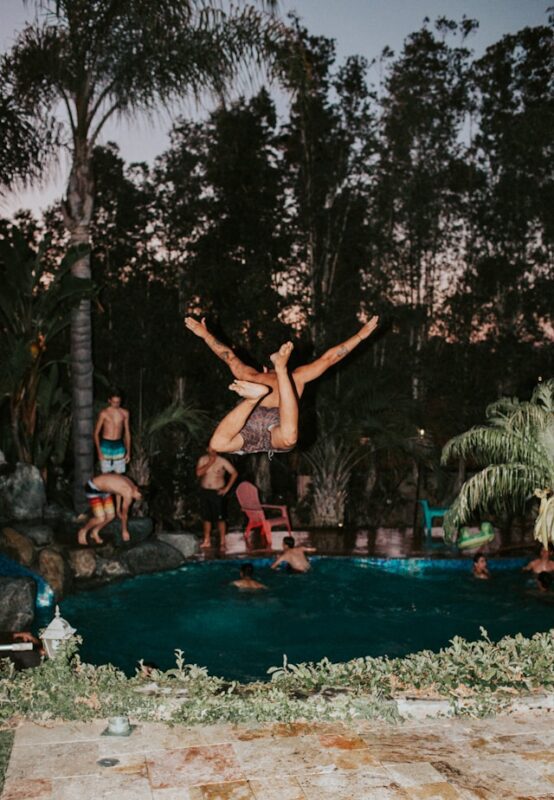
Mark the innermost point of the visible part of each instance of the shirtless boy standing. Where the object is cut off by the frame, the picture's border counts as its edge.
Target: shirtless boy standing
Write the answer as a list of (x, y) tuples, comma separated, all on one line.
[(212, 470), (112, 435), (294, 556)]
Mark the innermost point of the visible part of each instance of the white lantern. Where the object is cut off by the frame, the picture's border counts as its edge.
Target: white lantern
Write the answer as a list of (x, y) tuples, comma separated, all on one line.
[(56, 633)]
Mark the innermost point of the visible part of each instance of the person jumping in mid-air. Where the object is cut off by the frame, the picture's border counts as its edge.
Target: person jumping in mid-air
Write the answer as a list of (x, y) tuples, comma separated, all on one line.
[(267, 418)]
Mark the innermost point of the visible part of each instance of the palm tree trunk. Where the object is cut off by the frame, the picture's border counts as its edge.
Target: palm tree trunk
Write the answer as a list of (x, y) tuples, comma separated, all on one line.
[(78, 213)]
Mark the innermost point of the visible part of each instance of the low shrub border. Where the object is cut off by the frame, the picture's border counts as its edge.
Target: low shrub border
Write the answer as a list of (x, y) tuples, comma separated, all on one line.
[(477, 678)]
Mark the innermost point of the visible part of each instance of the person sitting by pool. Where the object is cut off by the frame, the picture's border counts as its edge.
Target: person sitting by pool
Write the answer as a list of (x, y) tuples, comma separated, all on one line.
[(480, 567), (21, 659), (540, 564), (246, 581), (99, 493), (293, 556)]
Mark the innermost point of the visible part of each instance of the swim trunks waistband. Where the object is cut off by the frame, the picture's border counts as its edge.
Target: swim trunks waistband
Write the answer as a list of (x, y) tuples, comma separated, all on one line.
[(112, 449)]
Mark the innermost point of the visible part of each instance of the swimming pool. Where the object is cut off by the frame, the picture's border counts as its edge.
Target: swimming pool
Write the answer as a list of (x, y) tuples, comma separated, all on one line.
[(342, 609)]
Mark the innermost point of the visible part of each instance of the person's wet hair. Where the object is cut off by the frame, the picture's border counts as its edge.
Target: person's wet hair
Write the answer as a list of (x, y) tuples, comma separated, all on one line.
[(477, 556), (114, 391), (289, 541), (246, 570)]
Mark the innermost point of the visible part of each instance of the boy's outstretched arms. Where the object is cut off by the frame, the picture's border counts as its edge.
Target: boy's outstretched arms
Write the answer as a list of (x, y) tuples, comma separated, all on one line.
[(239, 369), (310, 372)]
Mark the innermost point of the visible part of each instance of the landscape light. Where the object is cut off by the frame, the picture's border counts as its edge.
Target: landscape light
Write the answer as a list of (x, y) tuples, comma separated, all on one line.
[(56, 633)]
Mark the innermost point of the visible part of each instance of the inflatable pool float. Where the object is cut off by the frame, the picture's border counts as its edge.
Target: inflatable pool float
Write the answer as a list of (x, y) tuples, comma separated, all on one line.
[(469, 539)]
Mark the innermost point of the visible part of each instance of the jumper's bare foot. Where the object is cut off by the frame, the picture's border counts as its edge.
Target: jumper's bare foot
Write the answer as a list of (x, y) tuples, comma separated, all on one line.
[(206, 545), (125, 536), (281, 357), (249, 390), (96, 539), (82, 537)]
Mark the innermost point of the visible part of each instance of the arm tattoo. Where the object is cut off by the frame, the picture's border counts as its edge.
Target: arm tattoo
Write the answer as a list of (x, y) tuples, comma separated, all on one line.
[(342, 351), (219, 349)]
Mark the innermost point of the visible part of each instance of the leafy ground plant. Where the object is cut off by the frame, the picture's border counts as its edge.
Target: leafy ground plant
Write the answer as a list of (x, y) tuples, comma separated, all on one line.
[(476, 677), (6, 742)]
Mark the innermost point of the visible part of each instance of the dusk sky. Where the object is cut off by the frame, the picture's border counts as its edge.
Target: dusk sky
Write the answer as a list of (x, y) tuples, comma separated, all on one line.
[(359, 26)]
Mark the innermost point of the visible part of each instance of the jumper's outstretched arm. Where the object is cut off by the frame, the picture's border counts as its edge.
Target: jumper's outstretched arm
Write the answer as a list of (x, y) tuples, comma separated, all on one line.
[(309, 372), (239, 369)]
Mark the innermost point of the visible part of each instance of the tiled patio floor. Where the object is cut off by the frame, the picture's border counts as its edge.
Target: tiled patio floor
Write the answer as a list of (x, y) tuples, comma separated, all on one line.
[(505, 757)]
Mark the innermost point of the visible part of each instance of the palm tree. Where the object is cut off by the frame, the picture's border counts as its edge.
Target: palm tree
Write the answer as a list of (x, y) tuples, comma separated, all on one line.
[(35, 307), (516, 449), (94, 59)]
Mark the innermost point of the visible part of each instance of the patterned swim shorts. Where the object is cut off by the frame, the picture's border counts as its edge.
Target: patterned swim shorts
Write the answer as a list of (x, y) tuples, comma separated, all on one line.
[(257, 432), (113, 456)]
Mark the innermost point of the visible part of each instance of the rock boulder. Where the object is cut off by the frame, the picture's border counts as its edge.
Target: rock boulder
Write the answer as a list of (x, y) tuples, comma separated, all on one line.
[(140, 528), (111, 568), (17, 546), (186, 543), (22, 493), (151, 556), (55, 571), (82, 563), (38, 531), (17, 603)]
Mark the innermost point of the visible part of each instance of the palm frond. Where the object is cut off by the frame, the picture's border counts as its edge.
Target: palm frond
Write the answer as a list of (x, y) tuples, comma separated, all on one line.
[(495, 445), (184, 416), (496, 489), (517, 449)]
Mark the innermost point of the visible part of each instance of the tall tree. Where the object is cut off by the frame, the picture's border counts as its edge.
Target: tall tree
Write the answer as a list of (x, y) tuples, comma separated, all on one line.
[(328, 146), (97, 58), (509, 260), (416, 209)]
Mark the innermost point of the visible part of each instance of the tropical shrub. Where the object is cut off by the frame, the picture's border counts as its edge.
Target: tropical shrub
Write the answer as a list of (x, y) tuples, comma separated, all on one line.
[(516, 450)]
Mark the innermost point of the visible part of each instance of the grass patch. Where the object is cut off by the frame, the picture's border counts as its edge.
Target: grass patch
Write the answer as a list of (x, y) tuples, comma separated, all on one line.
[(6, 742)]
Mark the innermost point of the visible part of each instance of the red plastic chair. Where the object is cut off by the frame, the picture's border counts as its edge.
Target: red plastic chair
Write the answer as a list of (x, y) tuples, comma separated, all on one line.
[(249, 501)]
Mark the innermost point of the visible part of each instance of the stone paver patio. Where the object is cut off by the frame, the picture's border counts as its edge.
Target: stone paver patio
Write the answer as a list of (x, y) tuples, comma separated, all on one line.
[(504, 757)]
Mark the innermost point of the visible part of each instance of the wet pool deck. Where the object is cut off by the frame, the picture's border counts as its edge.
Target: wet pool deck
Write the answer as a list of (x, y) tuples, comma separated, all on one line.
[(378, 543), (503, 757)]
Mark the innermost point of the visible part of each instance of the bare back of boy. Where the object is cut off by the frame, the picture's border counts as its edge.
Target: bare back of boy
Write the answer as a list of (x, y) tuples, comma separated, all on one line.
[(296, 559)]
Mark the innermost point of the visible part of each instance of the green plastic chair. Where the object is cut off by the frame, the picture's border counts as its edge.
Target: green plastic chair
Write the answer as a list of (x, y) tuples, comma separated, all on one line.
[(429, 513)]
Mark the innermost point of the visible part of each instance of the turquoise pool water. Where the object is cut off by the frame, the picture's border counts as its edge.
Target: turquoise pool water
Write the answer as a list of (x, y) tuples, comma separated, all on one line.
[(343, 608)]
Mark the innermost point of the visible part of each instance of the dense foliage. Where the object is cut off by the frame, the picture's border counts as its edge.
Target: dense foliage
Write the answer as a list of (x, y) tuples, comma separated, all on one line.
[(476, 677), (424, 198), (516, 451)]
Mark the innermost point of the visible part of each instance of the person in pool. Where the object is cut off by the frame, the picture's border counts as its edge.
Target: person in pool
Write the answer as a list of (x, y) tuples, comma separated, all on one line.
[(480, 567), (246, 581), (293, 556), (541, 564), (544, 581)]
